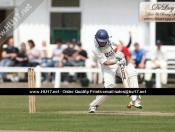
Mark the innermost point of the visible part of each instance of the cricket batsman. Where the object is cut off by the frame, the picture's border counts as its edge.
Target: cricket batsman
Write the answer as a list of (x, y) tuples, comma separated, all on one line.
[(110, 66)]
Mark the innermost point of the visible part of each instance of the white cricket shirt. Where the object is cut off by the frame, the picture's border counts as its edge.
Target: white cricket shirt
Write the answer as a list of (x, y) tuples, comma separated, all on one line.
[(105, 53)]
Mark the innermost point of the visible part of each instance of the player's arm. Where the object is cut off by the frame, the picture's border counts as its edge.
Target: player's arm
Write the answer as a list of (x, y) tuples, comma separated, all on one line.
[(6, 55), (119, 55), (117, 44), (102, 58), (108, 63)]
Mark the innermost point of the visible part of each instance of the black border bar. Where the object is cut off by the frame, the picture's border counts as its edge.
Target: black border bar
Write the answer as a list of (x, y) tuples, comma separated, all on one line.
[(87, 91)]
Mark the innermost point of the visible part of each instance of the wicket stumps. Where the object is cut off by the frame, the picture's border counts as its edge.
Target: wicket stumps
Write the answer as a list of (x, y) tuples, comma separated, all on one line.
[(31, 84)]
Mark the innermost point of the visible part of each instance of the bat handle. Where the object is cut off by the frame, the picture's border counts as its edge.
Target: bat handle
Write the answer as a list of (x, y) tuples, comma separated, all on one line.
[(121, 64)]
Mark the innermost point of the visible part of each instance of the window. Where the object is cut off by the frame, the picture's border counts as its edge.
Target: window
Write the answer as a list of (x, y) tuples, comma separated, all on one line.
[(65, 23), (65, 3), (166, 32)]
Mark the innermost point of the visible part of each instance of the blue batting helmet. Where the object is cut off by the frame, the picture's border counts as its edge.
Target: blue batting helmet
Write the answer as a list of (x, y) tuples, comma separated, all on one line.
[(102, 35)]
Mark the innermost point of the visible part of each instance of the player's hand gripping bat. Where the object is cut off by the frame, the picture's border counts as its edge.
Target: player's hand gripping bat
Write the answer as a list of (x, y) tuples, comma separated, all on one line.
[(124, 75)]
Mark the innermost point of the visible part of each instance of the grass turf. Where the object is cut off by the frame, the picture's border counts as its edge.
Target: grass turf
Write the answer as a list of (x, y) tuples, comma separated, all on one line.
[(70, 113)]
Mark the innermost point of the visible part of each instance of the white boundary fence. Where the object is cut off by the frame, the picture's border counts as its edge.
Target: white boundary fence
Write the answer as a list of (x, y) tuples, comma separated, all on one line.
[(58, 71)]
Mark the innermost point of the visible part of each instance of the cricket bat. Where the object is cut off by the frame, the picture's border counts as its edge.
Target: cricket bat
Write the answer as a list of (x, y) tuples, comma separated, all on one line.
[(124, 76)]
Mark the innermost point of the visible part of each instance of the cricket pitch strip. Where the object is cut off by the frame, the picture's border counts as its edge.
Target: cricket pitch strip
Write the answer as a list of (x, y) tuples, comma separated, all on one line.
[(141, 113)]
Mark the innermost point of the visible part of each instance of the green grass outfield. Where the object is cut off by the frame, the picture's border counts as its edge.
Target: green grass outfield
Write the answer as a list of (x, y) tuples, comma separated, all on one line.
[(70, 113)]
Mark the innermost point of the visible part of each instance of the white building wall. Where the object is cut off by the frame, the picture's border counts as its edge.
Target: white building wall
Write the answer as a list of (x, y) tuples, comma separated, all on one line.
[(116, 16), (18, 2), (35, 27)]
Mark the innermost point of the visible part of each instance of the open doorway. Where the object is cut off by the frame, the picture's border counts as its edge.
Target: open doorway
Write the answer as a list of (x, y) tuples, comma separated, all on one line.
[(4, 13)]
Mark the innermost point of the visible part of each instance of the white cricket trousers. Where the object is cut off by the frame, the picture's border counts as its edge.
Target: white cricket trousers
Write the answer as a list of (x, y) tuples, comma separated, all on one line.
[(151, 65), (109, 74)]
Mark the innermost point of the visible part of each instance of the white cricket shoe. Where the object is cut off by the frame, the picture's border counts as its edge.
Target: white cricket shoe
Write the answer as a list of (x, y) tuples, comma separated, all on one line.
[(136, 103), (1, 80), (92, 109), (14, 78)]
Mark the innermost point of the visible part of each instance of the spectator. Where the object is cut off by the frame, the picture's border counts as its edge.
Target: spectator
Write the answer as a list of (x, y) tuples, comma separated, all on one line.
[(8, 56), (21, 60), (68, 55), (44, 57), (44, 53), (79, 58), (33, 55), (158, 60), (138, 56), (44, 49), (57, 53), (56, 59), (74, 44)]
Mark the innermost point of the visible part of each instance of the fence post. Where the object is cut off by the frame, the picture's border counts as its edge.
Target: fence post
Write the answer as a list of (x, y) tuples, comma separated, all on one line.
[(38, 76), (158, 78), (57, 79)]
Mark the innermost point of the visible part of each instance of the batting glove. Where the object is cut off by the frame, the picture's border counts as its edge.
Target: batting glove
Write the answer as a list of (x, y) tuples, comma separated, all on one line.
[(119, 55), (121, 62)]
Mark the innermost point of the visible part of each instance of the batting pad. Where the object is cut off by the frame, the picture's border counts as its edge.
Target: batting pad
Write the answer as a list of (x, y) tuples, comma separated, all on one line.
[(135, 97), (100, 99), (132, 76)]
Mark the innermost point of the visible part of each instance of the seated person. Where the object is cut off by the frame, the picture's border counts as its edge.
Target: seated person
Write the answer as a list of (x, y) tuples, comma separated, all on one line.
[(68, 55), (33, 55), (21, 60), (56, 59), (44, 53), (139, 56), (158, 60), (8, 57), (74, 44), (79, 57)]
